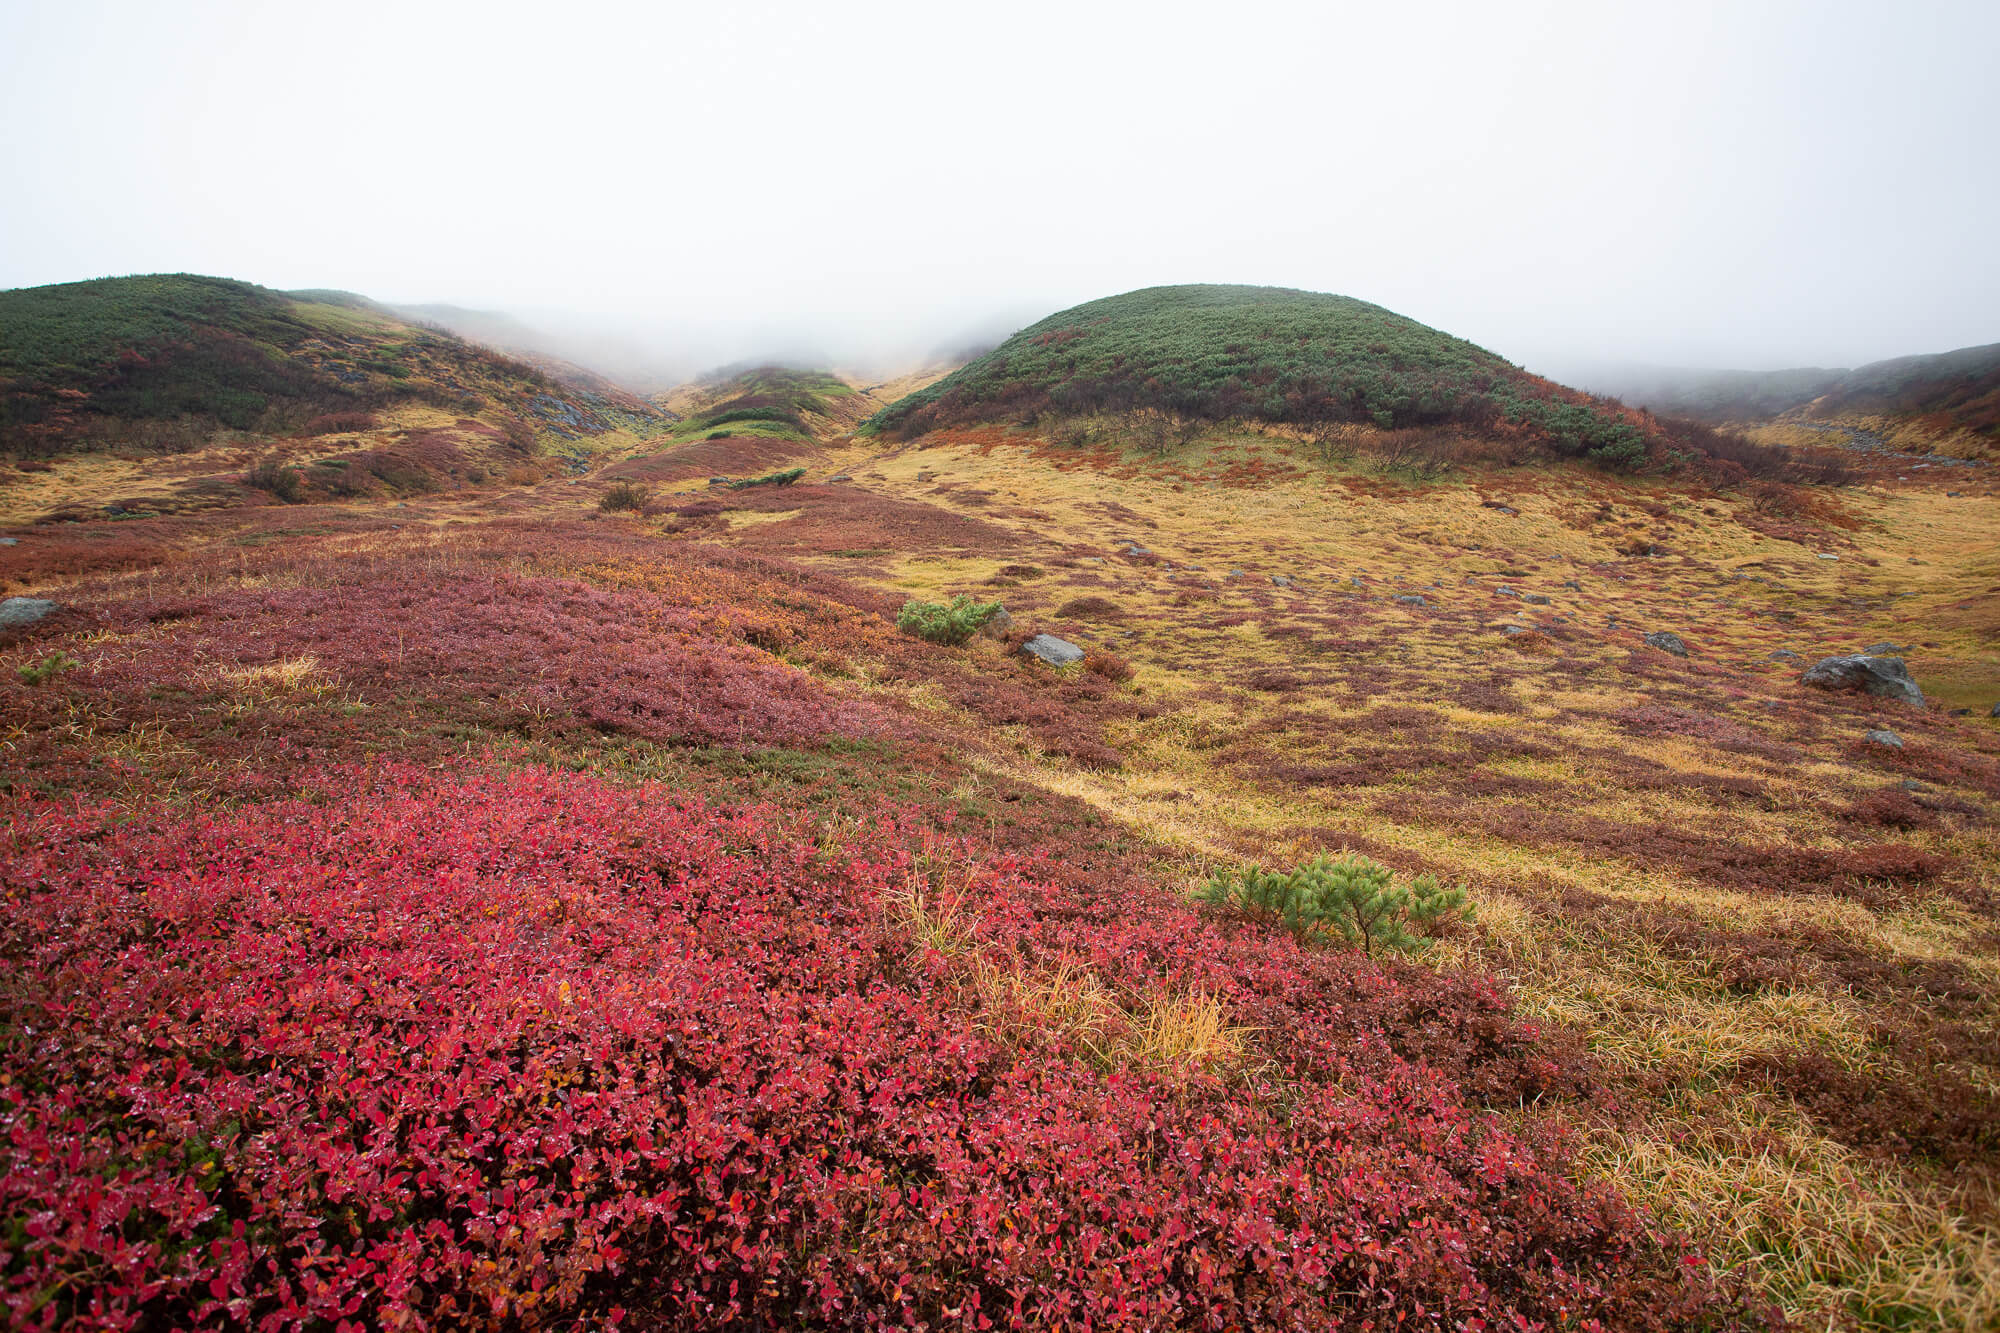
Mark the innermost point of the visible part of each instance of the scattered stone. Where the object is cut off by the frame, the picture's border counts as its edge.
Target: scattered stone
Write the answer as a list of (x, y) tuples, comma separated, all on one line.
[(10, 541), (1534, 599), (1054, 651), (839, 476), (1953, 495), (1133, 548), (1411, 599), (1281, 580), (1572, 585), (1786, 655), (1883, 736), (1886, 649), (1911, 784), (718, 481), (1511, 630), (1885, 677), (1356, 582), (1828, 555), (1667, 642), (16, 612), (1995, 712), (997, 624), (1235, 572)]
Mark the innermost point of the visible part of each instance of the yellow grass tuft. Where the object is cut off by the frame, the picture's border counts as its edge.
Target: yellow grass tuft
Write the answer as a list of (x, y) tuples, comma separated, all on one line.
[(291, 675)]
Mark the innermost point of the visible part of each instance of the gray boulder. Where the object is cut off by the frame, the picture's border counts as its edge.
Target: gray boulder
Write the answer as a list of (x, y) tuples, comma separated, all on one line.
[(1667, 642), (1786, 655), (840, 476), (1883, 736), (1054, 651), (1281, 580), (1995, 712), (1411, 600), (17, 612), (997, 624), (1884, 677), (1534, 599)]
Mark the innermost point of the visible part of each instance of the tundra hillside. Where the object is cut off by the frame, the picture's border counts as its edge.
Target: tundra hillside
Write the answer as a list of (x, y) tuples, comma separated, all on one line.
[(1434, 894)]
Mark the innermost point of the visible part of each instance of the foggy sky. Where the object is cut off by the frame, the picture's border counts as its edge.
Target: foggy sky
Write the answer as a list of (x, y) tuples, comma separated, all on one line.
[(1737, 184)]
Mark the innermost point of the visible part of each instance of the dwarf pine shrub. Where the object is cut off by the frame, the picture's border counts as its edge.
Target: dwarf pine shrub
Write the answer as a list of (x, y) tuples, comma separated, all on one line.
[(1349, 898), (623, 496), (951, 623), (784, 478), (38, 672)]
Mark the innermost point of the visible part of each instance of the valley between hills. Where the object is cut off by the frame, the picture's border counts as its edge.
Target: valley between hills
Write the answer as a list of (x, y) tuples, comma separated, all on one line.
[(485, 847)]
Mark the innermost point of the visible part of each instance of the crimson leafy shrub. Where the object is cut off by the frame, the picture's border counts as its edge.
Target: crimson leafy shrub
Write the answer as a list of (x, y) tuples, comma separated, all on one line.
[(539, 1051)]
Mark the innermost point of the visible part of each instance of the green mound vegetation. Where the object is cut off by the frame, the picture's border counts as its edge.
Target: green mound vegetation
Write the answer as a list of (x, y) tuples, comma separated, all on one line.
[(949, 623), (163, 361), (1349, 899), (1212, 353), (769, 401)]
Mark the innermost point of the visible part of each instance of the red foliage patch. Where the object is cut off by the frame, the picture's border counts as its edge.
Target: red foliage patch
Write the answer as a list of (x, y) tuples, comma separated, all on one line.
[(541, 1051)]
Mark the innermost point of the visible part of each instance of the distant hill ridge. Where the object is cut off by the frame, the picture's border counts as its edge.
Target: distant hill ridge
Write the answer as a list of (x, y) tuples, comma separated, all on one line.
[(1956, 390), (1262, 353), (95, 360)]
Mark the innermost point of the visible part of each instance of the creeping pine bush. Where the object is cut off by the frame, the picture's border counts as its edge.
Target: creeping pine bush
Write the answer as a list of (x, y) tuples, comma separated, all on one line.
[(34, 673), (623, 496), (276, 478), (1350, 898), (947, 624), (784, 478)]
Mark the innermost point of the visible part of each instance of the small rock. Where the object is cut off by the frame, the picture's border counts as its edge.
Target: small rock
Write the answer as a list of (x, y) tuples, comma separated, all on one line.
[(997, 624), (1534, 599), (1885, 677), (1886, 649), (1828, 555), (1572, 585), (1090, 560), (1995, 712), (839, 476), (1356, 582), (1786, 655), (1411, 599), (1667, 642), (1054, 651), (1281, 580), (1511, 630), (1504, 591), (16, 612), (1133, 548), (1911, 784), (1953, 495), (718, 481), (10, 541), (1883, 736), (1235, 572)]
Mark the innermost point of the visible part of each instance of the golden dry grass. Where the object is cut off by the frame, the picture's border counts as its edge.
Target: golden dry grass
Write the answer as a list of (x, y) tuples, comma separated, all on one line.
[(1833, 1233)]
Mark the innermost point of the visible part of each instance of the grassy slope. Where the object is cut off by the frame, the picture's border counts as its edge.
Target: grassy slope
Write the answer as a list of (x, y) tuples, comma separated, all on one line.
[(766, 402), (98, 361), (161, 392), (1260, 353)]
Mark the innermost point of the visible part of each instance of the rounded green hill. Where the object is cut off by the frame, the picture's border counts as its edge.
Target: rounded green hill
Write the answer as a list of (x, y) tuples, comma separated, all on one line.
[(1259, 353)]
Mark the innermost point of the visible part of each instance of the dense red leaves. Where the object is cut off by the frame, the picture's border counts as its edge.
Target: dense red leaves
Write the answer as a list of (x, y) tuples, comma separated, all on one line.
[(539, 1050)]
